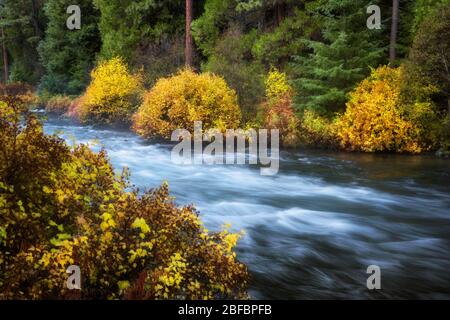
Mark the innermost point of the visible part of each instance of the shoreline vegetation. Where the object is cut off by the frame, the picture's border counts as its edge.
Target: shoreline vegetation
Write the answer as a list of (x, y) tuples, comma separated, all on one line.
[(386, 114), (334, 91), (399, 112), (333, 87)]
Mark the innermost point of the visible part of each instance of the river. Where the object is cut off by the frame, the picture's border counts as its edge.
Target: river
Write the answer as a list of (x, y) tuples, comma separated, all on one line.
[(312, 230)]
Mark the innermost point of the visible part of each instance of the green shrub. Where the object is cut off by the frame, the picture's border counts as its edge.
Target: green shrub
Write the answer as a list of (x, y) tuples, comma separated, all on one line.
[(177, 102), (231, 59), (429, 58), (62, 206), (278, 46), (317, 130), (424, 9), (159, 59)]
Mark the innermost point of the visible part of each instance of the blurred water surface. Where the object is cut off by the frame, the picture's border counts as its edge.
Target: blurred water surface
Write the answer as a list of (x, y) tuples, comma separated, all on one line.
[(312, 230)]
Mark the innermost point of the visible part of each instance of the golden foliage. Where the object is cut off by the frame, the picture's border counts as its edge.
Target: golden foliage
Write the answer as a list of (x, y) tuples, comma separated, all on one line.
[(277, 85), (178, 101), (379, 117), (62, 206), (113, 94)]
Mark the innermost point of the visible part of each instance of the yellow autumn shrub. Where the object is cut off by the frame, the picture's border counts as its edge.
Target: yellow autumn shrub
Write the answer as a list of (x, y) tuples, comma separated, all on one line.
[(277, 85), (178, 101), (62, 206), (113, 94), (380, 118)]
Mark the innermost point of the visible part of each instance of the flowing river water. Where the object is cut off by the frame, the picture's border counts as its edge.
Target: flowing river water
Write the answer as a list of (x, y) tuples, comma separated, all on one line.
[(312, 230)]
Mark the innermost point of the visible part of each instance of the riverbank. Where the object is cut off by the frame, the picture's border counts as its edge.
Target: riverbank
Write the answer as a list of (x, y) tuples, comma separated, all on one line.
[(121, 127)]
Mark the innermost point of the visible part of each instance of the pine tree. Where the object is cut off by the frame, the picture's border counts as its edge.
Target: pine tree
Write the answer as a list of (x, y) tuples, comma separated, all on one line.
[(338, 61), (189, 42), (23, 24), (127, 24), (68, 55), (425, 8), (4, 55), (430, 54), (394, 32)]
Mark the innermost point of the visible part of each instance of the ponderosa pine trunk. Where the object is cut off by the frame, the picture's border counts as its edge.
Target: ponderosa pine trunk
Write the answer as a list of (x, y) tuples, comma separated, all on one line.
[(394, 31), (189, 42), (5, 55)]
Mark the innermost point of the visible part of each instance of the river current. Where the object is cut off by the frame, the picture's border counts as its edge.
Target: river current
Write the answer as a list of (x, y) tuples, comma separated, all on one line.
[(312, 230)]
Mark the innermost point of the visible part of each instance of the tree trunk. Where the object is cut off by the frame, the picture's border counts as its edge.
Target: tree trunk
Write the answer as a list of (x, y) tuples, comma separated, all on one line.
[(280, 13), (189, 45), (35, 19), (394, 31), (448, 114), (5, 56)]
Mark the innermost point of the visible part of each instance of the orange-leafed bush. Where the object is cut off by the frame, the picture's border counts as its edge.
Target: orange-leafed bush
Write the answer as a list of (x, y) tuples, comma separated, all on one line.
[(23, 91), (379, 117), (74, 108), (113, 94), (58, 104), (277, 110), (178, 101), (63, 206)]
